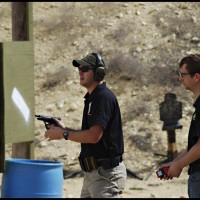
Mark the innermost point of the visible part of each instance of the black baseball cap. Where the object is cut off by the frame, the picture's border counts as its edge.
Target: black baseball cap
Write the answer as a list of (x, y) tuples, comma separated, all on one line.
[(89, 61)]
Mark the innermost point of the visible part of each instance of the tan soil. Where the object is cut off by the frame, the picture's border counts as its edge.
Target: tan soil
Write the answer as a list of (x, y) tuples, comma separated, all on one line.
[(144, 40)]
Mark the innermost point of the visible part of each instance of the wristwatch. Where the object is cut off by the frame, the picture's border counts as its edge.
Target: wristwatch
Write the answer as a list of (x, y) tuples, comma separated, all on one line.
[(65, 135)]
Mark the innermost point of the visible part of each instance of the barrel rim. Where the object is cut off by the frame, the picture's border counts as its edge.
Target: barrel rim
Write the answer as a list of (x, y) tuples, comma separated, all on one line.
[(35, 162)]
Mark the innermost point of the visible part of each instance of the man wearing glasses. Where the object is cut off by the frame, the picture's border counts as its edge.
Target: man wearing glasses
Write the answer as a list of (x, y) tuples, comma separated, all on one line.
[(189, 76), (101, 135)]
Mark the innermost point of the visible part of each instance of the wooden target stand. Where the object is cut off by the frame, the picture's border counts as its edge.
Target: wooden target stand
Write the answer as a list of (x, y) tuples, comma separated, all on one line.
[(170, 113)]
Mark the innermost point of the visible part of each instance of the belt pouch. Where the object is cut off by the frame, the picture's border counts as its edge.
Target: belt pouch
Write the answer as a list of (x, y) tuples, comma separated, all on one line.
[(82, 164), (92, 162), (87, 164)]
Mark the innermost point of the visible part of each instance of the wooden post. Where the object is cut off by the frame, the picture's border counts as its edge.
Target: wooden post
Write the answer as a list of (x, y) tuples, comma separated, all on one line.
[(22, 31), (170, 113), (172, 150)]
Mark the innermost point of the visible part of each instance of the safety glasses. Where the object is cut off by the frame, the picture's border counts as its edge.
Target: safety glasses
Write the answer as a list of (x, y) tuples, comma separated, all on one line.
[(84, 69)]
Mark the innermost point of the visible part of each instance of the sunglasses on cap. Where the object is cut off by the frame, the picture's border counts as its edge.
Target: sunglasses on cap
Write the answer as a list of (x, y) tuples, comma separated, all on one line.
[(84, 69)]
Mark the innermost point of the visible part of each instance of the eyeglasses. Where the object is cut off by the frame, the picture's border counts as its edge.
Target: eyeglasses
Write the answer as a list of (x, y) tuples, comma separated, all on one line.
[(84, 69), (182, 75)]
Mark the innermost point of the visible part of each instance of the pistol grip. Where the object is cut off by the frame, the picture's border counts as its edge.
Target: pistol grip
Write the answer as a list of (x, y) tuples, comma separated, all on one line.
[(46, 125)]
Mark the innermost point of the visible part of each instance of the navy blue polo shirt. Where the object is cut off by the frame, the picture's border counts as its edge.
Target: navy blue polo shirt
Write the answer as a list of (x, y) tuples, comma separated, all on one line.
[(101, 107), (194, 131)]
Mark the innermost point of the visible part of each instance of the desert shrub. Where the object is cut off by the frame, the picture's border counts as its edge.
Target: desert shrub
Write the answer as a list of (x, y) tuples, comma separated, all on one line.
[(55, 78), (163, 69), (166, 76), (172, 22), (125, 67), (135, 109)]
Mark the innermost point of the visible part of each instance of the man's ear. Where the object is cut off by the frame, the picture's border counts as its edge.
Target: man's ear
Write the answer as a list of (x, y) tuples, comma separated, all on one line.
[(197, 77)]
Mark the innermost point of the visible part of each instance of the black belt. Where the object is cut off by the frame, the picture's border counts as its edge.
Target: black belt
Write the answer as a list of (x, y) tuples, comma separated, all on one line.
[(90, 163), (107, 163), (192, 169)]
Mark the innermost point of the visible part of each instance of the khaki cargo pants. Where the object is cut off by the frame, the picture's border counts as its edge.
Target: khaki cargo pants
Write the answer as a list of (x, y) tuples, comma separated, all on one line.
[(104, 183)]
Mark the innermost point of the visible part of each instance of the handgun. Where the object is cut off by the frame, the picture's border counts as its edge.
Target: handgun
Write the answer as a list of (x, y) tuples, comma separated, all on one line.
[(47, 120)]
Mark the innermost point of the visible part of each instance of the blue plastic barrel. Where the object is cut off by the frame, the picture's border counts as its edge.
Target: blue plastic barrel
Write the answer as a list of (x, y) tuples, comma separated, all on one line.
[(25, 178)]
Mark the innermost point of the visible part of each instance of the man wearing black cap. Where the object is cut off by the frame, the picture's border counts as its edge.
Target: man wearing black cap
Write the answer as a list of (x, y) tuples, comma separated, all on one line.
[(101, 135)]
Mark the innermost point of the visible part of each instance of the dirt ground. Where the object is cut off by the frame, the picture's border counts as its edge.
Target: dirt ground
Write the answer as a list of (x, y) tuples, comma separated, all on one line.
[(135, 188), (141, 43)]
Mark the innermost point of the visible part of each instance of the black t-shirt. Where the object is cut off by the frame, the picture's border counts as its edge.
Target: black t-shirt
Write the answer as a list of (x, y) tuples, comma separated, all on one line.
[(101, 107), (194, 131)]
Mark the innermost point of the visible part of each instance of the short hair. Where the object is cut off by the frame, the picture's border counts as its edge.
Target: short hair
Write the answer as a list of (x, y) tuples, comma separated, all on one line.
[(192, 62)]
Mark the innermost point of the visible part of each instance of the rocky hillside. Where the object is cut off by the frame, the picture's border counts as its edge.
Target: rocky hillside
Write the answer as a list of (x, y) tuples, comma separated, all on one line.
[(141, 43)]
